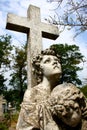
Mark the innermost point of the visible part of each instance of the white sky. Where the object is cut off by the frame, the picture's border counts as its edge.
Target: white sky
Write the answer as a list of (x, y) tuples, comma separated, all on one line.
[(19, 7)]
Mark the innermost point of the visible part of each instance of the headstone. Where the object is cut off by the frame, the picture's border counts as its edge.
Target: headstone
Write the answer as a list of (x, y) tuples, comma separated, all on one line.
[(3, 105), (35, 30)]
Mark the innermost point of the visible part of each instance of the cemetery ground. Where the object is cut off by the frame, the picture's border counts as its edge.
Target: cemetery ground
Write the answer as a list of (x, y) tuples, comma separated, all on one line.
[(8, 121)]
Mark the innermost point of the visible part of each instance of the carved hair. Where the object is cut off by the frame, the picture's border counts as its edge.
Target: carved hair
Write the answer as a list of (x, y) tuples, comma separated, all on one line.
[(36, 63)]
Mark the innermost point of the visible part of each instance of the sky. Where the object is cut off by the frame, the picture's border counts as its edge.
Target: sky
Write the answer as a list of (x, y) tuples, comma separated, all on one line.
[(19, 7)]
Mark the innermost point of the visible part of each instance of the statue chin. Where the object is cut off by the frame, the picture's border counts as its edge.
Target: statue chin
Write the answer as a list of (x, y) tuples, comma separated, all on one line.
[(74, 120)]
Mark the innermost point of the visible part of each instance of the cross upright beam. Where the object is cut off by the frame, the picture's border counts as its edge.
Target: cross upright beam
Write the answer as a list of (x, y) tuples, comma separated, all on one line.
[(35, 30)]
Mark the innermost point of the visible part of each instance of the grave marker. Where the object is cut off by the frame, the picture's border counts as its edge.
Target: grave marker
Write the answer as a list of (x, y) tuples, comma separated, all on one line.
[(35, 30)]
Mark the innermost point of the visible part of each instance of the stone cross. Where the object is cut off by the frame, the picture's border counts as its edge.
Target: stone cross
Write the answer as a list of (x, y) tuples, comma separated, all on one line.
[(35, 30)]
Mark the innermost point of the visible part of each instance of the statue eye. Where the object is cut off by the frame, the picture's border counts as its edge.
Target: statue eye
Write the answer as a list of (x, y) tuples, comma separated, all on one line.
[(47, 60)]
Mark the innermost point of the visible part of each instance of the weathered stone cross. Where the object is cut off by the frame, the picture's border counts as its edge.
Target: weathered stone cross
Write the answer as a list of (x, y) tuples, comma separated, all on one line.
[(35, 30)]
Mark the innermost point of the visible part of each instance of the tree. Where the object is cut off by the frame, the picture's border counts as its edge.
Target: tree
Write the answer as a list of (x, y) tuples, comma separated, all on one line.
[(84, 90), (12, 96), (5, 51), (2, 85), (73, 13), (70, 58), (19, 74)]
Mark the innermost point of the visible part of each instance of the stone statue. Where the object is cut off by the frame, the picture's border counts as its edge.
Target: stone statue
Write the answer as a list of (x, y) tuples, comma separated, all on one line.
[(50, 105)]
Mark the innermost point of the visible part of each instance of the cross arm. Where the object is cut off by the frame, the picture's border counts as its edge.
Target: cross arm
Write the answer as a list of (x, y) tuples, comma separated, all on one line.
[(17, 23), (49, 31)]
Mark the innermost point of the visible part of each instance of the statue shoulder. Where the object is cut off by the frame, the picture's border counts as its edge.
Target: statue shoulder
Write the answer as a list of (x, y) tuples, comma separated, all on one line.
[(30, 94)]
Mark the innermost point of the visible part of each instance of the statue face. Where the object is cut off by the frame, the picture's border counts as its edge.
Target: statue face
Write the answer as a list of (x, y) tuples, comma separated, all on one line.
[(73, 116), (50, 65)]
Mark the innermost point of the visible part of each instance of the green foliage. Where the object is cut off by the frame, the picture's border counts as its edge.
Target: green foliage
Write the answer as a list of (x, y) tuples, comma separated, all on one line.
[(70, 58), (11, 118), (12, 96), (2, 85), (3, 126), (5, 51), (3, 123), (19, 75), (84, 90)]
